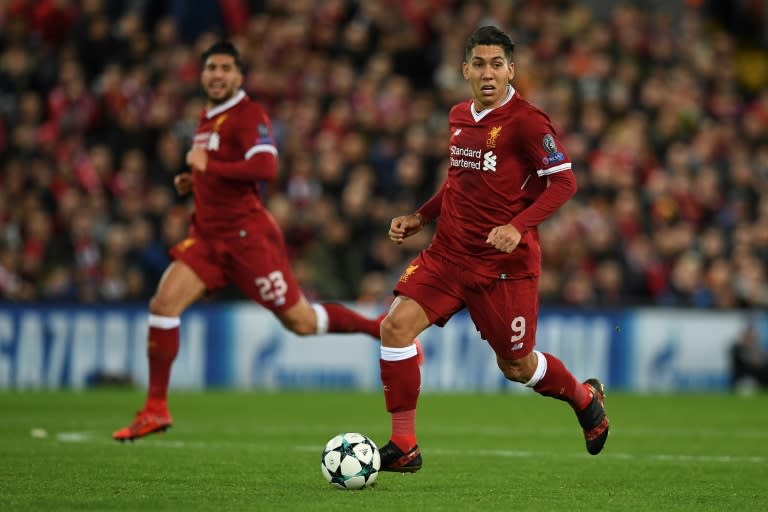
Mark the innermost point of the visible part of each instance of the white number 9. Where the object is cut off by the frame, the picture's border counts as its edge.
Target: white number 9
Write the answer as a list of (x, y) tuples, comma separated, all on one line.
[(518, 329)]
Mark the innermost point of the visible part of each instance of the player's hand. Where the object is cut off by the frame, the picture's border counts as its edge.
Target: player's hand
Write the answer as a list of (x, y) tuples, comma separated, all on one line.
[(504, 238), (402, 227), (183, 183), (197, 158)]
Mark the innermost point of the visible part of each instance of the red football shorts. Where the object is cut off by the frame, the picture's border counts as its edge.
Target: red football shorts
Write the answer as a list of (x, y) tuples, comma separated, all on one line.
[(505, 312), (256, 263)]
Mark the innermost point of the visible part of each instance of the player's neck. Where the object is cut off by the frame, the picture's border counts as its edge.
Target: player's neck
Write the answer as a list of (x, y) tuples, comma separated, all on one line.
[(478, 108), (213, 108)]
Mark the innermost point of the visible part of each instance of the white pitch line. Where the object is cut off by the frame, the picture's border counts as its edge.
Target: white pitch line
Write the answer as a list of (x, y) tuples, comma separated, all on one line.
[(612, 455), (88, 437), (74, 437)]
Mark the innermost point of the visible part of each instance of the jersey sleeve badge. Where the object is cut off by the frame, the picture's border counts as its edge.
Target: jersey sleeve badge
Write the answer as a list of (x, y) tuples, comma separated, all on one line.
[(550, 146)]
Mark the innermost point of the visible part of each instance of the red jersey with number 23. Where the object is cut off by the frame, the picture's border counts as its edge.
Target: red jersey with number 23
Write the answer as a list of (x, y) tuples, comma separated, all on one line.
[(499, 163)]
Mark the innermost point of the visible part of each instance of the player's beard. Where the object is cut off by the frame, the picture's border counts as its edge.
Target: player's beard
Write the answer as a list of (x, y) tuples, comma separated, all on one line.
[(223, 99)]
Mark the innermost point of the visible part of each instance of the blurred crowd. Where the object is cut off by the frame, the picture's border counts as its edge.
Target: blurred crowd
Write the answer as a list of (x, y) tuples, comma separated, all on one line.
[(664, 114)]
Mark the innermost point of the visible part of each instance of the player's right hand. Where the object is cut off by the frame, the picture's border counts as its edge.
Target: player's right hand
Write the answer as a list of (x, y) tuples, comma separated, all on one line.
[(402, 227), (183, 183)]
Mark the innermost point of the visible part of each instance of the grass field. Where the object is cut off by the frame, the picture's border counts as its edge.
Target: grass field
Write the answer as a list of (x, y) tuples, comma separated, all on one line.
[(261, 451)]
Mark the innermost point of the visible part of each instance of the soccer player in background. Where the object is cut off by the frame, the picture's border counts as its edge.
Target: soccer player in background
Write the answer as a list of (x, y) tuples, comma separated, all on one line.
[(508, 173), (232, 237)]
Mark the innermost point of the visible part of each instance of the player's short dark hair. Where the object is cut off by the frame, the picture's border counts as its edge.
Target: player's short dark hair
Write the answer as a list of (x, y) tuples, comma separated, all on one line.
[(223, 48), (491, 36)]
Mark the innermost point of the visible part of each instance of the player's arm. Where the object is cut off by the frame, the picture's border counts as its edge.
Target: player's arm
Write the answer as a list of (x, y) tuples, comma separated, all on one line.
[(561, 186), (552, 163), (260, 163), (183, 183), (404, 226), (430, 210), (542, 148)]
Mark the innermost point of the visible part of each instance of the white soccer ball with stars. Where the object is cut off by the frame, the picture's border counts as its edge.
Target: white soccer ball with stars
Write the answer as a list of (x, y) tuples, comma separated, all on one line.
[(350, 461)]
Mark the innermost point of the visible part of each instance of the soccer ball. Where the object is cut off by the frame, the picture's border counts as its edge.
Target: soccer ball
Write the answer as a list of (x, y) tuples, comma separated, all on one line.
[(350, 461)]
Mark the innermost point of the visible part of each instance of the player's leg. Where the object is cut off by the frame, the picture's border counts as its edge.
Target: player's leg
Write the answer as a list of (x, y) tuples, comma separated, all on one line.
[(260, 267), (506, 315), (425, 296), (401, 379), (304, 318), (179, 287), (550, 377), (184, 281)]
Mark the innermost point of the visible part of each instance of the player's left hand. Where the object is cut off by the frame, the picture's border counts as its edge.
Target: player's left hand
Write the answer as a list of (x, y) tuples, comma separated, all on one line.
[(504, 238), (197, 158)]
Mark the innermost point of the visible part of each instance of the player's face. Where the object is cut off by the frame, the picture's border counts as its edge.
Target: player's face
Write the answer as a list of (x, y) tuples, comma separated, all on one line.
[(488, 72), (221, 78)]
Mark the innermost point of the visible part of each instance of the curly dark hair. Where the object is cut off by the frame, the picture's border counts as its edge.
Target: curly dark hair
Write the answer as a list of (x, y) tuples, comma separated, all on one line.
[(492, 36)]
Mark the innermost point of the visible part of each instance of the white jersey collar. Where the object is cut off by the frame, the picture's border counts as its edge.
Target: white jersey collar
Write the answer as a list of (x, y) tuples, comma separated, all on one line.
[(479, 115), (231, 102)]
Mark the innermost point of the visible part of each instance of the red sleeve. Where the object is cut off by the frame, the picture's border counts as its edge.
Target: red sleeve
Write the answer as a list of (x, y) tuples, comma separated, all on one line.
[(562, 187), (259, 158), (261, 166), (430, 210)]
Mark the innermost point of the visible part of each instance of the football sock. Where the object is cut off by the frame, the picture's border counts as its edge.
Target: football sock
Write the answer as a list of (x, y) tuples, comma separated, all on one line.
[(401, 378), (162, 347), (553, 379), (333, 317), (404, 429)]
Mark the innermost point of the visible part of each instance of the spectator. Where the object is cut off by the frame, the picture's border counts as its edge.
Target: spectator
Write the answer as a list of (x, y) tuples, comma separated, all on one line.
[(99, 101), (749, 362)]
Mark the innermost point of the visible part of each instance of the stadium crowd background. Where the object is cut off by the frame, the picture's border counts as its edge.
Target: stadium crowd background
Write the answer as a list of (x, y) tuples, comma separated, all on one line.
[(664, 112)]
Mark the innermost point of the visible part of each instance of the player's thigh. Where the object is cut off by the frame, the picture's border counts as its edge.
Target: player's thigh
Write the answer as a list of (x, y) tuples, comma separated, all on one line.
[(262, 271), (404, 321), (506, 314), (179, 287), (205, 261), (431, 282)]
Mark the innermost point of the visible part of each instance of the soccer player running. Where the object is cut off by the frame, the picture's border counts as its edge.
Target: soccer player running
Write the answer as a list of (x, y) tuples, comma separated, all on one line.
[(508, 173), (232, 237)]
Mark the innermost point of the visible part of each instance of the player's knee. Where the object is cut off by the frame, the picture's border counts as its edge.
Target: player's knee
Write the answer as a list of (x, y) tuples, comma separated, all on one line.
[(302, 328), (161, 306), (394, 332), (516, 370), (302, 325)]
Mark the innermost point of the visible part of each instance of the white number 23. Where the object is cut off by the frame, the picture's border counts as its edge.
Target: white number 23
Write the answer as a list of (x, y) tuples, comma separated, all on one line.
[(272, 288)]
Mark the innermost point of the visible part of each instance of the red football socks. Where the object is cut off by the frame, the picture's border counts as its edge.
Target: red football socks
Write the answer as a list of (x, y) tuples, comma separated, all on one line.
[(343, 319), (401, 378), (559, 383), (404, 429), (162, 347)]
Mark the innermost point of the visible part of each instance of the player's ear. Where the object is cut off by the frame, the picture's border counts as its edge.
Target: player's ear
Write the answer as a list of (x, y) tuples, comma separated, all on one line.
[(465, 70), (511, 71)]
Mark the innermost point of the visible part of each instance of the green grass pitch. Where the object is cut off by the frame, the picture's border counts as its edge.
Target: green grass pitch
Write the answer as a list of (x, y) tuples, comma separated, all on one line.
[(232, 451)]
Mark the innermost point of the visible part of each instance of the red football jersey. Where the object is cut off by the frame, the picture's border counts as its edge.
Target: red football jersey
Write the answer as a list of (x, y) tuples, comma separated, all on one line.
[(238, 130), (499, 162)]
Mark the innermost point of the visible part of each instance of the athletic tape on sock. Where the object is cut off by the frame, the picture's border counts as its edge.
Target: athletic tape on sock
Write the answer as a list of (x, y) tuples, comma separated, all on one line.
[(541, 369), (322, 318), (398, 354), (164, 322)]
